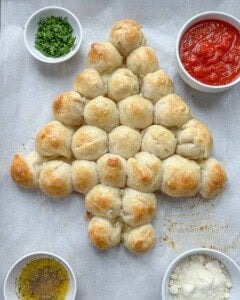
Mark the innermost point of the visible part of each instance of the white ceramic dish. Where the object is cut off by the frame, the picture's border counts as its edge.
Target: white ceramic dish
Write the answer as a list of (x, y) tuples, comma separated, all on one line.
[(31, 27), (9, 287), (231, 266), (182, 71)]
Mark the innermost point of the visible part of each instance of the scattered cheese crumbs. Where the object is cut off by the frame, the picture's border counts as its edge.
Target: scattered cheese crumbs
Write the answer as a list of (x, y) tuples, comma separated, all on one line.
[(200, 277)]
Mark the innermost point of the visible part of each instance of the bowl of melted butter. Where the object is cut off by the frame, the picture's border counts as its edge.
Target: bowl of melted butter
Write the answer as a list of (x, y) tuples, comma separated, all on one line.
[(40, 276)]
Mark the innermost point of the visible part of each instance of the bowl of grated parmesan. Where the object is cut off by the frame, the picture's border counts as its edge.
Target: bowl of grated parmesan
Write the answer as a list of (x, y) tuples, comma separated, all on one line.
[(202, 274)]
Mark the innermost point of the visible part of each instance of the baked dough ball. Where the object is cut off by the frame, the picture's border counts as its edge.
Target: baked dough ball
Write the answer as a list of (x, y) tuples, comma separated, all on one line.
[(195, 140), (112, 170), (68, 108), (104, 57), (139, 239), (89, 142), (123, 83), (102, 112), (25, 170), (104, 201), (142, 61), (156, 85), (144, 172), (103, 233), (89, 84), (181, 177), (84, 175), (159, 141), (124, 141), (55, 178), (214, 178), (53, 140), (136, 112), (138, 208), (171, 111), (126, 35)]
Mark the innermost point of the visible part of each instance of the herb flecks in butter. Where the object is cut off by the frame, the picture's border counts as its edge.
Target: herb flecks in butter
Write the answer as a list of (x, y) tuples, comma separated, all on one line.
[(43, 279)]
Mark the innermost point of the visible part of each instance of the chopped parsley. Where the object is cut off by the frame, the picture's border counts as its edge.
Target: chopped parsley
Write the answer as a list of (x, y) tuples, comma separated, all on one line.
[(54, 36)]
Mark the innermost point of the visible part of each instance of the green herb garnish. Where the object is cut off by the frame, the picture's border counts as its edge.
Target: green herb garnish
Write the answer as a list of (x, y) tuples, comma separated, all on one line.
[(54, 36)]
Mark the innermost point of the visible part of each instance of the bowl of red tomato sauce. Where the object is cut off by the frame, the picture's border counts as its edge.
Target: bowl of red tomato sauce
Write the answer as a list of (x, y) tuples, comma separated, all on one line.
[(208, 52)]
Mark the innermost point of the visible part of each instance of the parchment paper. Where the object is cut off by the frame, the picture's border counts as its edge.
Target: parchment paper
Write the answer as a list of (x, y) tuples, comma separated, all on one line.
[(29, 221)]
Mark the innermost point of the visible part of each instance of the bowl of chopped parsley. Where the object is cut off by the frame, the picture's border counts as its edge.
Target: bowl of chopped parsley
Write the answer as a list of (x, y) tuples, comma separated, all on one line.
[(53, 34)]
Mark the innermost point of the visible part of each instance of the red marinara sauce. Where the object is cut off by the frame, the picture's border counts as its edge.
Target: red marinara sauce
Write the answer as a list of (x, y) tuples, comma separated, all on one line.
[(210, 52)]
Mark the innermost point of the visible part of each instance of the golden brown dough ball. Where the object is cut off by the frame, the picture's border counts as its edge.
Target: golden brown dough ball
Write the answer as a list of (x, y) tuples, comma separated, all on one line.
[(181, 177), (139, 239), (68, 108), (25, 170), (53, 140), (136, 112), (156, 85), (142, 61), (89, 84), (112, 170), (89, 142), (214, 178), (138, 208), (171, 111), (102, 112), (123, 83), (194, 140), (55, 178), (104, 201), (144, 172), (126, 35), (103, 233), (124, 141), (84, 175), (159, 141), (104, 57)]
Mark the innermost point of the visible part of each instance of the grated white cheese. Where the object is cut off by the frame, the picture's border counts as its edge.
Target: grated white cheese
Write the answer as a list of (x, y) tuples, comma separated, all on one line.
[(200, 277)]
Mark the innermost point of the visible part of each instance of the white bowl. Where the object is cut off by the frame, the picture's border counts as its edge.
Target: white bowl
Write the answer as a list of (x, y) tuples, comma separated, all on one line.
[(9, 287), (182, 71), (232, 268), (31, 27)]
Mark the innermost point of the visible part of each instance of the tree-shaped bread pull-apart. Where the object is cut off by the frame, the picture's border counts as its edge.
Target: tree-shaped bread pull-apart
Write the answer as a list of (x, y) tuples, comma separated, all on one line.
[(121, 135)]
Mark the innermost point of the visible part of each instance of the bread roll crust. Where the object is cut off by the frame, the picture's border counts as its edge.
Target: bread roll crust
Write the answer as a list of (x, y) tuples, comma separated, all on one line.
[(181, 177), (68, 108), (102, 112), (124, 141), (171, 111), (142, 61), (214, 178), (123, 83), (89, 84), (195, 140), (112, 170), (138, 208), (25, 170), (84, 175), (144, 172), (156, 85), (104, 57), (104, 201), (136, 112), (103, 233), (54, 140), (139, 239), (159, 141), (89, 143), (126, 35), (55, 179)]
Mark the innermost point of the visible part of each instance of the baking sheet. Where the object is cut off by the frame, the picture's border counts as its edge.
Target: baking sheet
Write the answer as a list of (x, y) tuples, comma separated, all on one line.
[(29, 221)]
